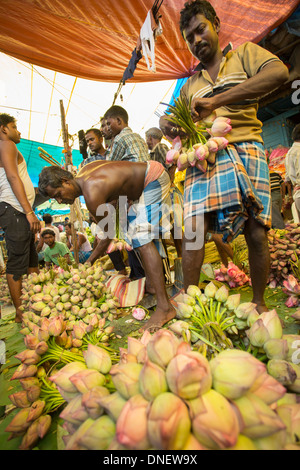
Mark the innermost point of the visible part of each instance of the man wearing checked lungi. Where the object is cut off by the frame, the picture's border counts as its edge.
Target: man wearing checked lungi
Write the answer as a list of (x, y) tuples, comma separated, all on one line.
[(145, 186), (233, 195)]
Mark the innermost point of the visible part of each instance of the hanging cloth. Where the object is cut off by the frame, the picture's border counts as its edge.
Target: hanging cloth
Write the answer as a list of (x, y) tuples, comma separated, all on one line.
[(150, 30)]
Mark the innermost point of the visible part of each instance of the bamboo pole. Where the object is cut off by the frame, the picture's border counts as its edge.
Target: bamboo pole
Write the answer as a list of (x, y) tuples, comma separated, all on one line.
[(68, 165)]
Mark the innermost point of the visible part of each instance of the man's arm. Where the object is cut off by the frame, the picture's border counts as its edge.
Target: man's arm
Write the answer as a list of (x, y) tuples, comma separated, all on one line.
[(99, 250), (9, 158), (270, 77)]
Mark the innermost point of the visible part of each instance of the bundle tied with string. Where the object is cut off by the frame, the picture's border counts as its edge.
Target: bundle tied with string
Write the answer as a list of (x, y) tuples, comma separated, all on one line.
[(199, 141)]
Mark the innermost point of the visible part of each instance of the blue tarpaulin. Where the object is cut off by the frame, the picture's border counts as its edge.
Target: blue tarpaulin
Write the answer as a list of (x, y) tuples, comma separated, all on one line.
[(35, 164)]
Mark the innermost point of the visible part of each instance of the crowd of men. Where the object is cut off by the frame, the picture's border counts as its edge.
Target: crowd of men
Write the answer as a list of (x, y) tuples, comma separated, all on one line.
[(231, 197)]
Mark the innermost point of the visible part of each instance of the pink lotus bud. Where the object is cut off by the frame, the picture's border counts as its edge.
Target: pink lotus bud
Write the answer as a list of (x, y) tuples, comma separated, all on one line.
[(19, 423), (30, 437), (169, 423), (183, 310), (28, 357), (55, 326), (136, 348), (234, 372), (20, 399), (43, 335), (188, 375), (33, 393), (91, 401), (131, 429), (28, 382), (36, 410), (113, 404), (212, 145), (78, 331), (211, 158), (220, 127), (31, 341), (93, 435), (222, 294), (201, 165), (97, 358), (233, 302), (276, 348), (201, 151), (221, 141), (192, 444), (252, 317), (41, 348), (74, 413), (257, 418), (162, 347), (172, 156), (292, 301), (182, 162), (152, 380), (62, 377), (244, 309), (87, 379), (139, 313), (282, 371), (24, 371), (269, 390), (125, 378), (214, 422), (290, 416), (43, 425), (193, 291), (210, 290)]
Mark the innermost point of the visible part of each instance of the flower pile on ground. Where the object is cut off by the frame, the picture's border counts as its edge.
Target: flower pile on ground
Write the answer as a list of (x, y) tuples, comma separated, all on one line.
[(168, 397), (284, 246), (231, 274)]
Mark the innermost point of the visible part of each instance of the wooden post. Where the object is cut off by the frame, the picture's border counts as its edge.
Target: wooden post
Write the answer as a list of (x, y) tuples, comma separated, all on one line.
[(68, 163)]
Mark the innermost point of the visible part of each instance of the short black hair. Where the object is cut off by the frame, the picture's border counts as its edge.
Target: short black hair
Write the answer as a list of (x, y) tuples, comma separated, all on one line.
[(197, 7), (115, 112), (6, 119), (69, 224), (97, 132), (47, 218), (52, 176), (296, 133), (48, 231)]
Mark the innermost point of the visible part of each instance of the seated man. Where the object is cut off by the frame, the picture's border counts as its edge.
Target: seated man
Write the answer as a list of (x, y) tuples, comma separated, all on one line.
[(54, 250), (146, 185), (84, 246), (41, 246)]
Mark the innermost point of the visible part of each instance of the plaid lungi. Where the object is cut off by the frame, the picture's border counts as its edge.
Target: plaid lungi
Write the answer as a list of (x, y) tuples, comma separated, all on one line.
[(150, 218), (236, 186)]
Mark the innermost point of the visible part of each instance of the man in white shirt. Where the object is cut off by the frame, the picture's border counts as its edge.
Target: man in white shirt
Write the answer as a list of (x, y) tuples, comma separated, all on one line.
[(17, 218)]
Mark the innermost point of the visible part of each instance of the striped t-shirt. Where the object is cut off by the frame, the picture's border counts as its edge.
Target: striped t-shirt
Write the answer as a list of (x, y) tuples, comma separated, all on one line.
[(236, 67), (275, 181)]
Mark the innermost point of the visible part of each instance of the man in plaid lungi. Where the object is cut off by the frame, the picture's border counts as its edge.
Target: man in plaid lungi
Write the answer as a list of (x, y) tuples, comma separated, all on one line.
[(233, 196)]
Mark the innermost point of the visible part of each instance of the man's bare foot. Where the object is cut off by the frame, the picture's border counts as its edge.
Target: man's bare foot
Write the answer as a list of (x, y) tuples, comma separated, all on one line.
[(158, 319), (18, 319), (261, 308)]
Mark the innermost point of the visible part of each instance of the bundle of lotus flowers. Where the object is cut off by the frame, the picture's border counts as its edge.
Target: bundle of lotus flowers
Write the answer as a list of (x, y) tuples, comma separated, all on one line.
[(201, 141), (52, 344), (74, 293), (291, 287), (168, 397), (211, 320), (231, 274), (284, 246), (117, 244)]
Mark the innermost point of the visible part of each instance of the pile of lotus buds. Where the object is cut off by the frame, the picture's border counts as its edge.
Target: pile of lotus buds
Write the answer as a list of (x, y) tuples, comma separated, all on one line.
[(284, 246), (282, 350), (75, 293), (212, 319), (168, 397), (231, 274), (5, 298)]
